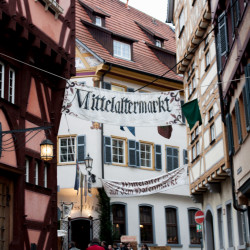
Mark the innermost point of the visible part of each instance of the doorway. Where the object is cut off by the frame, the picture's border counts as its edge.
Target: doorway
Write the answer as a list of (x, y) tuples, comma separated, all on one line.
[(209, 231), (81, 232)]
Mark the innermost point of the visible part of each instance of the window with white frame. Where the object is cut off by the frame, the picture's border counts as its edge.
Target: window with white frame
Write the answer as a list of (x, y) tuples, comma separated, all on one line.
[(98, 21), (181, 20), (220, 227), (211, 113), (193, 153), (118, 151), (229, 224), (67, 149), (36, 173), (194, 82), (122, 50), (190, 89), (197, 148), (27, 169), (146, 155), (1, 80), (212, 132), (207, 57), (158, 43), (11, 94)]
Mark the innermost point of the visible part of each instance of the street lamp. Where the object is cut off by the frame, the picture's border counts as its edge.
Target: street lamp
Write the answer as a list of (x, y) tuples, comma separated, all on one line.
[(46, 150), (88, 161)]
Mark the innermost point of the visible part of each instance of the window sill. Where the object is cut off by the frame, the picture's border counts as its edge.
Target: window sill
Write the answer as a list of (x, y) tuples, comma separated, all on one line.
[(230, 248), (181, 31), (148, 244), (241, 247), (174, 245), (195, 245), (212, 142), (207, 67)]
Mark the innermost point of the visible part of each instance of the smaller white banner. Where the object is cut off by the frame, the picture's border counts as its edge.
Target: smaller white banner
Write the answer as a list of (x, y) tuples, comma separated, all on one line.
[(122, 108), (137, 188)]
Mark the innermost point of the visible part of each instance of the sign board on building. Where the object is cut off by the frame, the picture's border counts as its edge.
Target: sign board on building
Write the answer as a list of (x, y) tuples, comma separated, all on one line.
[(199, 217), (127, 238), (198, 228)]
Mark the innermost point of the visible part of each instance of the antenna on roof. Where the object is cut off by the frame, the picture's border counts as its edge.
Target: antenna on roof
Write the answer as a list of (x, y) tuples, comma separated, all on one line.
[(154, 20), (126, 5)]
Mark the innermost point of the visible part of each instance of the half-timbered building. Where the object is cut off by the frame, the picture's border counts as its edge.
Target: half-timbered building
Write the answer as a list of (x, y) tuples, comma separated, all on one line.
[(37, 47)]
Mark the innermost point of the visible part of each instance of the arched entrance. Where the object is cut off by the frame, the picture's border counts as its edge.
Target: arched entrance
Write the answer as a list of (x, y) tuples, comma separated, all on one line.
[(209, 231), (80, 232)]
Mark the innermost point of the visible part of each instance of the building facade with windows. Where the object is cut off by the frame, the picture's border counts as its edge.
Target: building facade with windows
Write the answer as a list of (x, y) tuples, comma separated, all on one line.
[(232, 35), (31, 39), (209, 163), (124, 51)]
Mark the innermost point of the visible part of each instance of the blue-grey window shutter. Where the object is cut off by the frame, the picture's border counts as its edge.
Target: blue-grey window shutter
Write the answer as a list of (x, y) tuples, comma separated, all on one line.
[(235, 14), (229, 134), (183, 117), (130, 90), (81, 148), (172, 158), (158, 161), (106, 85), (138, 158), (218, 55), (246, 102), (237, 113), (185, 157), (246, 96), (176, 157), (107, 149), (132, 153), (222, 29)]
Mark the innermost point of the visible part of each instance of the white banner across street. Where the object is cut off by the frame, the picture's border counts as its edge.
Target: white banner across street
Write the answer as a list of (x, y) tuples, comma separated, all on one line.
[(138, 188), (122, 108)]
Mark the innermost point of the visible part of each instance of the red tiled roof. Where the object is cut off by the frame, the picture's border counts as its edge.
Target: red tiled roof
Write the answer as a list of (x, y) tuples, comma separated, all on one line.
[(123, 21)]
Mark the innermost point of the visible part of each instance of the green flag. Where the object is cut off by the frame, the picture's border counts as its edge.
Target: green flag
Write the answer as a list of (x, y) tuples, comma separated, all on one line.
[(192, 112)]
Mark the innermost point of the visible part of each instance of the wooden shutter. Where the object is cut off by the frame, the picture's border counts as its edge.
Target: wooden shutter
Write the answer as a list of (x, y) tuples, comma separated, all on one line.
[(132, 153), (183, 117), (80, 148), (185, 157), (222, 31), (229, 134), (158, 161), (107, 149), (138, 158), (237, 113), (106, 85)]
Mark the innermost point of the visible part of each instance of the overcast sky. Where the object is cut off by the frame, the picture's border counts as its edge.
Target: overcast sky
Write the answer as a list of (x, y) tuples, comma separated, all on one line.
[(154, 8)]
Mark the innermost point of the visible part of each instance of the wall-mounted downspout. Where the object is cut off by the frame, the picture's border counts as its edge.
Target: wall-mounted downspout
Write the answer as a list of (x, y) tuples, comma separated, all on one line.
[(102, 127), (235, 202)]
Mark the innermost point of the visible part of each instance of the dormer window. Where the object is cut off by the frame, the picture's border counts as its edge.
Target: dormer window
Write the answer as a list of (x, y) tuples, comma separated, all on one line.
[(122, 50), (158, 43), (98, 21)]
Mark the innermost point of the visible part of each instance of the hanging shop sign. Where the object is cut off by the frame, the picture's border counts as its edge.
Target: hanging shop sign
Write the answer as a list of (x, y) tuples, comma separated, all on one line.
[(122, 108), (137, 188)]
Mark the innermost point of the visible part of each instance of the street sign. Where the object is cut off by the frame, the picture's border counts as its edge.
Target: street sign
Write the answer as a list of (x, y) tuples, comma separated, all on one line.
[(199, 217)]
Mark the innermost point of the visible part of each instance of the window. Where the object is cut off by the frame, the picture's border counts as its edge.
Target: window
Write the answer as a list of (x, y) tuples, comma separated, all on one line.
[(119, 221), (229, 224), (36, 173), (11, 95), (206, 42), (118, 152), (212, 133), (192, 136), (27, 170), (98, 21), (194, 83), (190, 89), (67, 149), (118, 88), (171, 225), (241, 228), (193, 153), (185, 157), (122, 50), (146, 224), (146, 155), (158, 43), (45, 176), (220, 227), (181, 21), (172, 158), (235, 14), (196, 131), (1, 80), (194, 236), (211, 113), (207, 59), (230, 138), (197, 148)]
